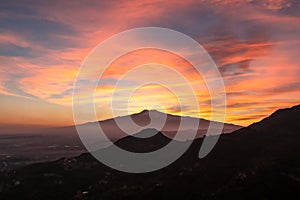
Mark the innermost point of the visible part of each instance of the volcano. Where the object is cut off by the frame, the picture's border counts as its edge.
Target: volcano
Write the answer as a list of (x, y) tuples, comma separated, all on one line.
[(261, 161)]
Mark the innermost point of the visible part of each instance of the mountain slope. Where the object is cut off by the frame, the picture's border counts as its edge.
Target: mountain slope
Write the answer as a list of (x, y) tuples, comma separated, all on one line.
[(251, 163), (145, 141), (113, 127), (48, 144), (282, 120)]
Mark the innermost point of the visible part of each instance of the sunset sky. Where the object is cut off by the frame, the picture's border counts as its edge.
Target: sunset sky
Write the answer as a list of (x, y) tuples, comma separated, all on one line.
[(255, 44)]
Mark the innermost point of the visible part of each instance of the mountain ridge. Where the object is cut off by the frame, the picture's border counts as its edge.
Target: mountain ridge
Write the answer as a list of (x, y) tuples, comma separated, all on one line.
[(114, 127), (156, 111), (250, 163)]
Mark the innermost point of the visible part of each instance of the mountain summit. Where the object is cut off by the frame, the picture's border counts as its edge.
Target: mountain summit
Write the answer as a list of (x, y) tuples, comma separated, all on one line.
[(169, 125), (260, 161)]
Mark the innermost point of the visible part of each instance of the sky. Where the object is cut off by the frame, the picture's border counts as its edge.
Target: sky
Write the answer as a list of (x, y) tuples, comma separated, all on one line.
[(255, 44)]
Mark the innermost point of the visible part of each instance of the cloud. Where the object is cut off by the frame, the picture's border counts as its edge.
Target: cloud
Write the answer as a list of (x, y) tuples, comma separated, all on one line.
[(237, 68), (12, 86), (12, 50), (254, 43), (178, 109), (41, 31)]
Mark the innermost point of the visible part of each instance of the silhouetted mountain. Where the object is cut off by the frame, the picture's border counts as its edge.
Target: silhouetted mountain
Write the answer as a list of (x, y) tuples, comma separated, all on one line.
[(250, 163), (285, 120), (144, 141), (167, 123), (40, 144)]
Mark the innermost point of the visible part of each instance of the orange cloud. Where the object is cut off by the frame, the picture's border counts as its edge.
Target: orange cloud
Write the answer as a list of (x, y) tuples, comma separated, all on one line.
[(255, 46)]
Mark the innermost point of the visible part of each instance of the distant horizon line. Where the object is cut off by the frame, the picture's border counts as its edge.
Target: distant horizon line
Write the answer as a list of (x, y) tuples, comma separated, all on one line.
[(43, 126)]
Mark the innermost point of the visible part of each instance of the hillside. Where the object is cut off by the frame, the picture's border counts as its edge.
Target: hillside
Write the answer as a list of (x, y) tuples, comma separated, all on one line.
[(250, 163)]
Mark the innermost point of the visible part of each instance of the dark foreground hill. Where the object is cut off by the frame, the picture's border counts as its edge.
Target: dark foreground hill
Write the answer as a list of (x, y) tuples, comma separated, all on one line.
[(24, 145), (261, 161)]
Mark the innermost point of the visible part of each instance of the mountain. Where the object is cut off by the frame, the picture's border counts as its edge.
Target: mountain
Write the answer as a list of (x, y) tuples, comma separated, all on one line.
[(145, 141), (261, 161), (283, 120), (46, 144), (112, 129)]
